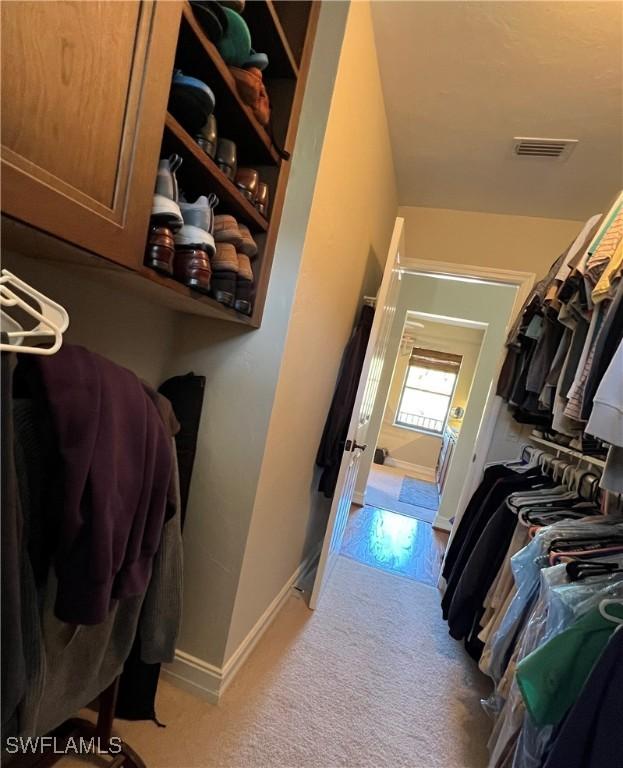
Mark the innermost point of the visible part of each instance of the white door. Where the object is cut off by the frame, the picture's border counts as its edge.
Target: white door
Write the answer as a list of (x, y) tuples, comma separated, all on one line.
[(364, 402)]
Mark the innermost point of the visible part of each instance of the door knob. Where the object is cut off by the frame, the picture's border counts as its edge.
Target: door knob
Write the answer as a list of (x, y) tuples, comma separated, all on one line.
[(352, 445)]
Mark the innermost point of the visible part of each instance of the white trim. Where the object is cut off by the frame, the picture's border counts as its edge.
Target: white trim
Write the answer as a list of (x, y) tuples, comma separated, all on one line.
[(441, 524), (415, 468), (359, 498), (209, 681), (524, 282), (492, 407)]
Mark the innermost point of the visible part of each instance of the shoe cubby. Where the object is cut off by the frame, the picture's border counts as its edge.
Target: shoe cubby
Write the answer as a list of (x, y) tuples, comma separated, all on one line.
[(284, 31), (93, 206)]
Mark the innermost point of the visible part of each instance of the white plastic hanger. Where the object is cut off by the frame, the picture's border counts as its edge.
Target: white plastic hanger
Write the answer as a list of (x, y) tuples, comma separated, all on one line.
[(52, 318), (603, 609)]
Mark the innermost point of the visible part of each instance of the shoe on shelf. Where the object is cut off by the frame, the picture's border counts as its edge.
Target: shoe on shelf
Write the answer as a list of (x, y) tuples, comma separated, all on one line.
[(224, 274), (191, 101), (248, 246), (244, 285), (227, 230), (208, 137), (226, 157), (261, 200), (191, 266), (198, 228), (165, 209), (247, 180), (160, 249)]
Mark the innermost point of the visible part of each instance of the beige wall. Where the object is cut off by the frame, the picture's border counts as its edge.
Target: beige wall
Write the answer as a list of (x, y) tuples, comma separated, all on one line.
[(116, 323), (350, 225), (521, 243), (406, 444), (242, 369)]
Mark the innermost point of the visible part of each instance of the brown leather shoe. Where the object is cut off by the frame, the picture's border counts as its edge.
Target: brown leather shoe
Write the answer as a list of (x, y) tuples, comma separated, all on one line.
[(244, 286), (261, 200), (160, 249), (191, 266), (247, 180)]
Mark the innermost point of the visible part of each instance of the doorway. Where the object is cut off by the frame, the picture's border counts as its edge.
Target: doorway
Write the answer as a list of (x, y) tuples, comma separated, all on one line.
[(432, 403), (446, 293), (428, 398)]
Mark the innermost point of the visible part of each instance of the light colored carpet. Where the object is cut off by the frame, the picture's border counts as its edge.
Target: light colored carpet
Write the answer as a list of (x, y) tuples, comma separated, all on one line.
[(384, 489), (371, 679)]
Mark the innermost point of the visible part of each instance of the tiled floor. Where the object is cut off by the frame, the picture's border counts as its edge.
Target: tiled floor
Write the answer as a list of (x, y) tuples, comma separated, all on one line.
[(395, 543)]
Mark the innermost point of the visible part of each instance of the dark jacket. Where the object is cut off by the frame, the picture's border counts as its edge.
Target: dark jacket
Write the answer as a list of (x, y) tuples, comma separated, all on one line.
[(116, 462), (333, 439)]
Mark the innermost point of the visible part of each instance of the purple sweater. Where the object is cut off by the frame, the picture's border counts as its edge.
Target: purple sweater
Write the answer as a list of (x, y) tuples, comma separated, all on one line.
[(116, 459)]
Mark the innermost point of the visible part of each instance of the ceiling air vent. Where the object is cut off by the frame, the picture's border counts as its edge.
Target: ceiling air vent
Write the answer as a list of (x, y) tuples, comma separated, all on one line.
[(553, 149)]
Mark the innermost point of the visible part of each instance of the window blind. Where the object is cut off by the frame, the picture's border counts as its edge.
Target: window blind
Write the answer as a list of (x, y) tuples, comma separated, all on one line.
[(437, 361)]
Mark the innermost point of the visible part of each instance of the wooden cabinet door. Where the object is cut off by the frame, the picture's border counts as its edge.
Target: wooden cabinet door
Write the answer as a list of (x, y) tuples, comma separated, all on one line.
[(84, 94)]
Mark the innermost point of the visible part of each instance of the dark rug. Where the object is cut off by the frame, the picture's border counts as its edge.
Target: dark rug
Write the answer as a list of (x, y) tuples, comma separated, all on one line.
[(419, 493)]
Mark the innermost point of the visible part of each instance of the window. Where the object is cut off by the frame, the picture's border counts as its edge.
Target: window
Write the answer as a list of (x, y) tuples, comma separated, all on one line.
[(428, 389)]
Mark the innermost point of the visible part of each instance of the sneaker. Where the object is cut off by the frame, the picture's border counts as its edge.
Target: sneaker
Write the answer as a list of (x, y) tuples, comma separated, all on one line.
[(190, 102), (226, 230), (198, 224), (165, 209), (248, 246)]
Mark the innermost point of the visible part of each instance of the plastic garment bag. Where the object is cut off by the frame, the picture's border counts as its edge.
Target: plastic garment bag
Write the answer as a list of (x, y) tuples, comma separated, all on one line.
[(526, 566), (513, 731), (568, 602)]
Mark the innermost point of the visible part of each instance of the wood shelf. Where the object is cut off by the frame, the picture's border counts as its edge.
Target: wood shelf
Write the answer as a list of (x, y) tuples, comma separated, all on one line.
[(268, 36), (213, 179), (199, 57), (178, 296)]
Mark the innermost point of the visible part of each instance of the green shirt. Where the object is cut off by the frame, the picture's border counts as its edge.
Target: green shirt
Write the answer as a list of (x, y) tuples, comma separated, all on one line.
[(551, 677)]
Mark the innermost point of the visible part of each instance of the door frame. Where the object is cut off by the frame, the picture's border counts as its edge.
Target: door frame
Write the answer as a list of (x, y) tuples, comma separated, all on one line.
[(523, 281)]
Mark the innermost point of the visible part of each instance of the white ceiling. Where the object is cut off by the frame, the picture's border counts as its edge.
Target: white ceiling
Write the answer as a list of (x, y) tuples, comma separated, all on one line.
[(462, 78)]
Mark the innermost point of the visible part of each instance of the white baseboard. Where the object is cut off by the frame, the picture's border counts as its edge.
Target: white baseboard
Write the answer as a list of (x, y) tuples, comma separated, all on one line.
[(427, 473), (209, 681), (442, 524), (359, 498)]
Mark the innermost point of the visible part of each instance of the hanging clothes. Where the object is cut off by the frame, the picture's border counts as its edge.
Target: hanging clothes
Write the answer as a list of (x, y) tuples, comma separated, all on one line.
[(13, 662), (333, 439), (591, 735), (514, 597), (73, 401), (566, 335)]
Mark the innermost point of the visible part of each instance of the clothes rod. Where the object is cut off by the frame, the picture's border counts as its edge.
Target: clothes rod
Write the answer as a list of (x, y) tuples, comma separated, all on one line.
[(569, 451)]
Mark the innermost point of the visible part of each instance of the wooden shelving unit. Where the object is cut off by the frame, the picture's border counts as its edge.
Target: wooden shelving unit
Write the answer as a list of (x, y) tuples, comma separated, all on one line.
[(199, 57), (212, 177), (271, 24), (70, 220)]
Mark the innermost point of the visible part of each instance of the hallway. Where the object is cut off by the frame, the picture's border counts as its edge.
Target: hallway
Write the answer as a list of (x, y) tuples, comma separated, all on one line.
[(369, 679)]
